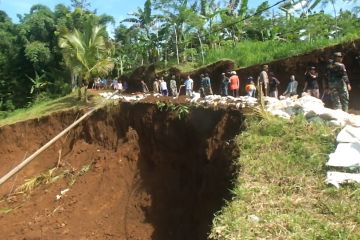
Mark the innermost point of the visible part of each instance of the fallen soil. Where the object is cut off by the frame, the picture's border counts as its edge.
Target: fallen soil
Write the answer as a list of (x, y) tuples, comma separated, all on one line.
[(151, 176)]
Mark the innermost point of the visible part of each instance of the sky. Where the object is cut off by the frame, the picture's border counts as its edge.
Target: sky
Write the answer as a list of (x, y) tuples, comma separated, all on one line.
[(116, 8)]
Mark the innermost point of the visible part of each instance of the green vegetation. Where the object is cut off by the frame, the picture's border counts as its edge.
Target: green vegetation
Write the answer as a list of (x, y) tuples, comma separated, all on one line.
[(44, 107), (280, 192), (180, 110), (53, 51), (87, 53), (249, 53), (51, 176)]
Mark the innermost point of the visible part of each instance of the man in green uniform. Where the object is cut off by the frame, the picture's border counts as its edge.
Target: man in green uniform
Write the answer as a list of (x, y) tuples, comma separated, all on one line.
[(338, 83)]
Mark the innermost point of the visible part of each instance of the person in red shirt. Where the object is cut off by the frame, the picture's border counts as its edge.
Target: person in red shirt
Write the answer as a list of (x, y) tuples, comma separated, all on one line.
[(234, 84)]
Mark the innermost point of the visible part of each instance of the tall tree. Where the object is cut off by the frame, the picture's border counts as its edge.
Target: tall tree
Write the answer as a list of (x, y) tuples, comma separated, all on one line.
[(87, 53), (144, 21)]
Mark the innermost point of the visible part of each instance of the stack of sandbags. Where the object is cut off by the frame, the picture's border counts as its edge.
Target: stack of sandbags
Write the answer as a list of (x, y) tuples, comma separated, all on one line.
[(346, 156)]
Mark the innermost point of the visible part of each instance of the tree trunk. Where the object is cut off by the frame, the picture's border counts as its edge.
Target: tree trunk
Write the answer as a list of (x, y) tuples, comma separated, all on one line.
[(121, 66), (73, 81), (335, 16), (177, 47), (201, 48)]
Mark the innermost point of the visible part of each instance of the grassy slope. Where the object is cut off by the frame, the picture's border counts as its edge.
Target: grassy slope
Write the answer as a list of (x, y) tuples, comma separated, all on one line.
[(47, 107), (248, 53), (281, 181)]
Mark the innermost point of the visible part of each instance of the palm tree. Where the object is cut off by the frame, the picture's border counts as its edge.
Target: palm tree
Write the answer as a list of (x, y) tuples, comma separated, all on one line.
[(87, 53)]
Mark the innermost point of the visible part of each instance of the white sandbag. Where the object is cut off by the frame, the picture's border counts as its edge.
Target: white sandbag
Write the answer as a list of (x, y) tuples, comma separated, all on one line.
[(349, 134), (212, 97), (305, 100), (330, 114), (281, 114), (336, 178), (353, 120), (231, 98), (336, 123), (345, 155)]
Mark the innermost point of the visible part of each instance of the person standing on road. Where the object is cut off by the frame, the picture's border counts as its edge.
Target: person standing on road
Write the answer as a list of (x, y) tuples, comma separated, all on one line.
[(173, 86), (311, 83), (189, 84), (224, 85), (273, 86), (234, 84), (338, 83), (250, 87), (291, 89), (263, 80), (156, 86), (144, 87), (207, 85), (163, 87)]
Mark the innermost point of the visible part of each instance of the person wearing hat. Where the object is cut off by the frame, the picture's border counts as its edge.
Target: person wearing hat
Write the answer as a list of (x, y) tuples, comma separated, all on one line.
[(311, 82), (338, 83), (263, 79), (224, 85), (234, 84)]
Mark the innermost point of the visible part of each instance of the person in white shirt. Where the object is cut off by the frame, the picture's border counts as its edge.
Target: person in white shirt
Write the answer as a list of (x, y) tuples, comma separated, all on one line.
[(163, 87), (189, 84)]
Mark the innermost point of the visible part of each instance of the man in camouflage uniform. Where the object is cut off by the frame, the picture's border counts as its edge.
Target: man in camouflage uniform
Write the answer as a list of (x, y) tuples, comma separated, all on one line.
[(338, 83)]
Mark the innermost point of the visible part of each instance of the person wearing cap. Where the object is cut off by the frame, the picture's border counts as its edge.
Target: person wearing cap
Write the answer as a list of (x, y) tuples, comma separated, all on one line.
[(311, 82), (250, 87), (263, 79), (234, 84), (338, 83), (224, 86)]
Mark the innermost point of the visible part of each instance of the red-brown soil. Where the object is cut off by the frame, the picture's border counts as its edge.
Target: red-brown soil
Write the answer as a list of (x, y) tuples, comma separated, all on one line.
[(152, 175)]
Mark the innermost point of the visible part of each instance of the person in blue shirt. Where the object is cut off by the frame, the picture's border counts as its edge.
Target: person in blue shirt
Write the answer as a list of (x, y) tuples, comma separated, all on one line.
[(291, 89)]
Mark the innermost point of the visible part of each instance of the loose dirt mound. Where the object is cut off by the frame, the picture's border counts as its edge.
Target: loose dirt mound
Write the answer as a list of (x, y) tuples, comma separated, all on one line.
[(151, 175)]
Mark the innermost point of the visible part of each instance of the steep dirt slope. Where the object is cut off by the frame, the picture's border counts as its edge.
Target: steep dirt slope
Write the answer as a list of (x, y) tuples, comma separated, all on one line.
[(152, 175)]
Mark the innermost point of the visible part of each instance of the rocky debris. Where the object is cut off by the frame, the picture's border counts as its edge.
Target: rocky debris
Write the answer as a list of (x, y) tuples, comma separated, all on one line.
[(125, 98), (227, 101)]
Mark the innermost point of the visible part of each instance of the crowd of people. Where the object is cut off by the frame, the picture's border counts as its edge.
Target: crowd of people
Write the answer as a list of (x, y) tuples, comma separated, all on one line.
[(335, 83), (104, 84)]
